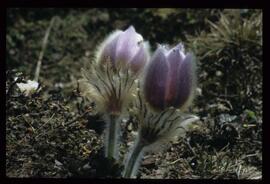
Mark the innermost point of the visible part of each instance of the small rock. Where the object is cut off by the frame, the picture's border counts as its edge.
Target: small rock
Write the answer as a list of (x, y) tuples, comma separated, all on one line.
[(86, 166), (57, 163), (149, 162)]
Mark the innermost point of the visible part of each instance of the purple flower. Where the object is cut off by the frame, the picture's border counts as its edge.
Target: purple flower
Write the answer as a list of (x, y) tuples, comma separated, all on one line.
[(170, 78), (124, 48)]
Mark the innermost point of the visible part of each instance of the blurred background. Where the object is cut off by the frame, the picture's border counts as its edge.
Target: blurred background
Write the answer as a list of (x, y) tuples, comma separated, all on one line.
[(48, 133)]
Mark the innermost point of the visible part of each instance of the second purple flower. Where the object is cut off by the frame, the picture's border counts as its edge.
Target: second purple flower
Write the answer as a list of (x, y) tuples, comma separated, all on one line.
[(169, 78)]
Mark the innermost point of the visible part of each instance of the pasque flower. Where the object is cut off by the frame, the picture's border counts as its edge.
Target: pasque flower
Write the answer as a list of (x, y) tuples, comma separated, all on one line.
[(168, 85), (169, 78), (124, 48), (110, 80)]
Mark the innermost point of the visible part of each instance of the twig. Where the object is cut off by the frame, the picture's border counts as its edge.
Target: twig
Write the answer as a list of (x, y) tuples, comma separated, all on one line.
[(72, 121), (250, 155), (175, 161), (67, 124), (189, 146), (44, 44), (46, 122)]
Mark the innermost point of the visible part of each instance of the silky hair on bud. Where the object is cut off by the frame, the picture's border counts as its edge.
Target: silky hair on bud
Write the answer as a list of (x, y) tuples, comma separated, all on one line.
[(91, 94)]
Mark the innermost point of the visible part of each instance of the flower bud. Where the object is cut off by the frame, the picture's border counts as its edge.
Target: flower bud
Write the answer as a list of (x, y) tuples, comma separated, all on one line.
[(124, 48), (112, 78), (169, 78)]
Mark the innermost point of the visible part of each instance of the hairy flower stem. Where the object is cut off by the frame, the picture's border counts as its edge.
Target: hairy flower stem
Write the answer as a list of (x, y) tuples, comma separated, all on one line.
[(133, 160), (112, 136)]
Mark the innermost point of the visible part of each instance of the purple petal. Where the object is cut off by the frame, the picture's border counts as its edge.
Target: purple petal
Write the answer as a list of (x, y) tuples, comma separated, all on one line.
[(139, 60), (185, 81), (175, 59), (128, 45), (156, 79), (109, 50)]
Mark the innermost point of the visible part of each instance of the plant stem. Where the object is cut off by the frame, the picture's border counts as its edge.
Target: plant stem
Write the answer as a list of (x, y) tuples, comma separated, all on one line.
[(112, 136), (44, 44), (133, 160)]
